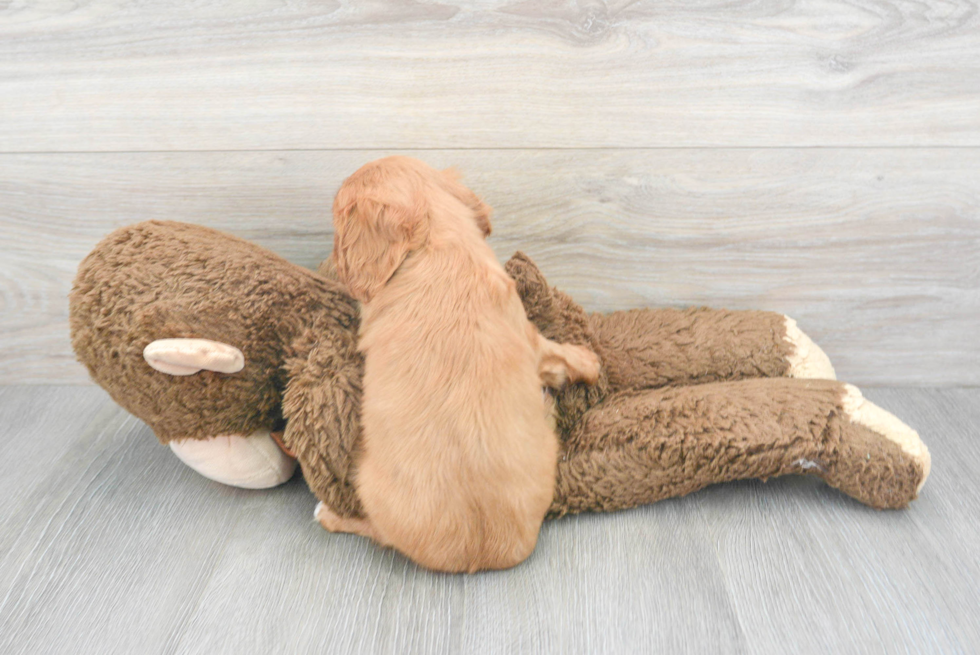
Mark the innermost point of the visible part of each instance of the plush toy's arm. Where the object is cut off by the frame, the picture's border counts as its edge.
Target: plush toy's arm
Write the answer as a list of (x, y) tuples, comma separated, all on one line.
[(640, 447), (650, 348), (322, 405)]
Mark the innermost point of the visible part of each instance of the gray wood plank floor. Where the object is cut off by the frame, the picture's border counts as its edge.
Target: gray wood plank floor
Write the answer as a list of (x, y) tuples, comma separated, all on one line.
[(108, 544)]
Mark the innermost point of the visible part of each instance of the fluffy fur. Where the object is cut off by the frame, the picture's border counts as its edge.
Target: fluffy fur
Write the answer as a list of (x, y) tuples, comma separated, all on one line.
[(459, 450)]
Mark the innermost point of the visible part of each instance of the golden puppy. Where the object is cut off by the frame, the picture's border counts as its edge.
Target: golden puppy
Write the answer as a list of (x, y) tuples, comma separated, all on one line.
[(459, 451)]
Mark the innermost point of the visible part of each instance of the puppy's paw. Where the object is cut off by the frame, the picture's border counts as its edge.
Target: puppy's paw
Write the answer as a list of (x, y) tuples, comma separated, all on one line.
[(332, 522), (553, 374), (328, 519), (583, 364)]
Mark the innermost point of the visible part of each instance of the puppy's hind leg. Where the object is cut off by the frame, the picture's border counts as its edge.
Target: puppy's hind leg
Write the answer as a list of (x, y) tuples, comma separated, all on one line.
[(334, 523), (561, 362)]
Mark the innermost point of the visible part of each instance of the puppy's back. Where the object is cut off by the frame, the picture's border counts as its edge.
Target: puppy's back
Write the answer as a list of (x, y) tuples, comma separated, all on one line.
[(460, 452)]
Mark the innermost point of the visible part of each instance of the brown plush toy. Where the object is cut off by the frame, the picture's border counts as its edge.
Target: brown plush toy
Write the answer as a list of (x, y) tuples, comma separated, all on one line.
[(217, 343)]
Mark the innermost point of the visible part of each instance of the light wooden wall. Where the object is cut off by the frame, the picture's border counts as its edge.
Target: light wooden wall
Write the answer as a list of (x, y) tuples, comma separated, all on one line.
[(821, 159)]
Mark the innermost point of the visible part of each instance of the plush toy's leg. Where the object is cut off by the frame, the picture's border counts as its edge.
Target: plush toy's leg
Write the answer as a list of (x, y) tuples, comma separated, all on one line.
[(650, 348), (252, 462), (640, 447)]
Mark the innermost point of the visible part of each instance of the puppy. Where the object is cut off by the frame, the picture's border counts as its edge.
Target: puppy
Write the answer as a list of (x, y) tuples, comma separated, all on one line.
[(459, 452)]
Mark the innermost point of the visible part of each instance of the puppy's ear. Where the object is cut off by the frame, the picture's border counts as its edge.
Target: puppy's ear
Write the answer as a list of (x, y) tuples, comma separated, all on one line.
[(372, 239), (481, 210)]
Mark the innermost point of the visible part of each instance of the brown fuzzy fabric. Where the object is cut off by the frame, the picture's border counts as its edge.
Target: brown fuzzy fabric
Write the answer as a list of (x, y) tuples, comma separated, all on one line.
[(561, 319), (163, 279), (651, 348), (642, 446), (680, 403), (322, 404)]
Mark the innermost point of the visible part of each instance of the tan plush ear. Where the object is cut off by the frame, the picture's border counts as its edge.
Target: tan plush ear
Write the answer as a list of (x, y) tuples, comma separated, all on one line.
[(481, 210), (372, 239)]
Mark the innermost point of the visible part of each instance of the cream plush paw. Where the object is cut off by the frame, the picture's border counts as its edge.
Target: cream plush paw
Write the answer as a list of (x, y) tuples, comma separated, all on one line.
[(189, 356), (807, 359), (876, 419), (252, 462)]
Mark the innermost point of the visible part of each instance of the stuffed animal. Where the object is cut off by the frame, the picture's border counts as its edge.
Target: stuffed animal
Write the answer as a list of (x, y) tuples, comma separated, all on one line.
[(218, 345)]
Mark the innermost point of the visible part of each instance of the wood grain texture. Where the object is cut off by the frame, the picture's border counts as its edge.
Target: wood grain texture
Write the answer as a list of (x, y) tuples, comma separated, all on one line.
[(830, 574), (876, 252), (103, 75), (107, 550), (117, 547)]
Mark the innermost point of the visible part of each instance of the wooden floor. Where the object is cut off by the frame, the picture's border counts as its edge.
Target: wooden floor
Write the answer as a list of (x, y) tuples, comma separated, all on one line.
[(109, 545)]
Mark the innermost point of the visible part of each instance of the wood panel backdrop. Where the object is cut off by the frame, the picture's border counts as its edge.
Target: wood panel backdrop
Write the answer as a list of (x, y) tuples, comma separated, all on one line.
[(820, 159)]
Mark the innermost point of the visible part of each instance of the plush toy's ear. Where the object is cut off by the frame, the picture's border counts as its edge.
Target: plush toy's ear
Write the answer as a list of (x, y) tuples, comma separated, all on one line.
[(371, 240), (481, 210)]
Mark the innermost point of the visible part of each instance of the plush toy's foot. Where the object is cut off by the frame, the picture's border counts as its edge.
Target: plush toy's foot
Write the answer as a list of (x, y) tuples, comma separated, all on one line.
[(332, 522), (880, 461), (806, 360), (252, 462)]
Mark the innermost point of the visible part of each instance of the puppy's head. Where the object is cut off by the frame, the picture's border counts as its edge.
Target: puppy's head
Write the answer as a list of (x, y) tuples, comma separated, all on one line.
[(384, 211), (380, 214)]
